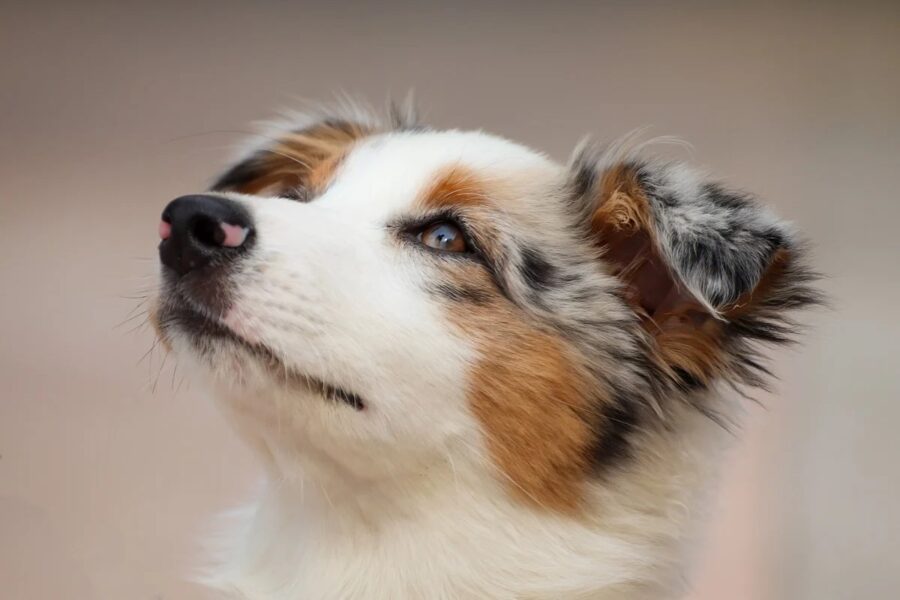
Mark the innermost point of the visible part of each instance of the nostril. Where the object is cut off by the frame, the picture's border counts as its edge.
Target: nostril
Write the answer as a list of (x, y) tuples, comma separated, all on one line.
[(210, 232), (207, 231), (235, 235)]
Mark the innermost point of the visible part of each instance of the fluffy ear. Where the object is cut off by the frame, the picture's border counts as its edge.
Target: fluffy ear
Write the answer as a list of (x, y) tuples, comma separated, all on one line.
[(296, 162), (707, 270)]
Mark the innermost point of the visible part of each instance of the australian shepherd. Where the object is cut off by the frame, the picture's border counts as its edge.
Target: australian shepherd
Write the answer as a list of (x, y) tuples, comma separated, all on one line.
[(467, 370)]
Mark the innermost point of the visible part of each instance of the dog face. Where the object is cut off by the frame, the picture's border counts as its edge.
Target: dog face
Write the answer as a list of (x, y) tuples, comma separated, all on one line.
[(373, 301)]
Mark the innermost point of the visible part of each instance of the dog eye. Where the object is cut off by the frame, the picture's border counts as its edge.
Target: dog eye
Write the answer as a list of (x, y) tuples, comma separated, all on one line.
[(443, 236)]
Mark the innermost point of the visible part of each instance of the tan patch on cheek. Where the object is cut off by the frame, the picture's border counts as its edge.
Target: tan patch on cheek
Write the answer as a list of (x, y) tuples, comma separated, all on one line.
[(533, 404)]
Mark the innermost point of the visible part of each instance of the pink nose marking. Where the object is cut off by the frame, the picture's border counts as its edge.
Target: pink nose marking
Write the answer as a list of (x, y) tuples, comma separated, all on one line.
[(235, 235), (165, 230)]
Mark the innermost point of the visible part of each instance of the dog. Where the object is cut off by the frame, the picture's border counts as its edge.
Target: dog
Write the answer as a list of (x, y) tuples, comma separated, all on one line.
[(470, 371)]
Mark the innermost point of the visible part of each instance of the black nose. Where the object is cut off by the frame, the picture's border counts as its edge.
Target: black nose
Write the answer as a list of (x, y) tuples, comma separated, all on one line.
[(198, 231)]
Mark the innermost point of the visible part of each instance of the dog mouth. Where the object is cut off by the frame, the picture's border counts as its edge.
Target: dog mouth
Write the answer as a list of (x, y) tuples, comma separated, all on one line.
[(201, 330)]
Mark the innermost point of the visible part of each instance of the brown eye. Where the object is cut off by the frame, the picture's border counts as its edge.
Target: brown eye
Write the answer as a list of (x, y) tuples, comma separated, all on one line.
[(444, 236)]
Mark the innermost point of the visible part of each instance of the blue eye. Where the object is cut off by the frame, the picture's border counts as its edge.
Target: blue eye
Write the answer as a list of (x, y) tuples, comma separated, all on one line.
[(444, 236)]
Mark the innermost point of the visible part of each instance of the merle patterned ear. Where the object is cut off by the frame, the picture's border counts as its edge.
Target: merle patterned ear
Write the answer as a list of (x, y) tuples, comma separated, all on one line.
[(706, 269), (295, 163)]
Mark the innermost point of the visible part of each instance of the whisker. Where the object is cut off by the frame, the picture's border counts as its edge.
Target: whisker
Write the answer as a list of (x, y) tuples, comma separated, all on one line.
[(138, 326), (180, 383), (159, 373), (174, 374), (148, 352), (128, 319), (138, 306)]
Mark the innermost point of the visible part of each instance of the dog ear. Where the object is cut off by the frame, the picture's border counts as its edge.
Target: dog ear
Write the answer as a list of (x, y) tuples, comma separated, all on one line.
[(295, 163), (707, 270)]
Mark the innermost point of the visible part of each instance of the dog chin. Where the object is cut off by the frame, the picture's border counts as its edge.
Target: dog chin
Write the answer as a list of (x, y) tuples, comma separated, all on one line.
[(224, 363)]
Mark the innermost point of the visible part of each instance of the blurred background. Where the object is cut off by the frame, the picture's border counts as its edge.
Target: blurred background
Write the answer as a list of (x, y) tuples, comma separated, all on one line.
[(111, 466)]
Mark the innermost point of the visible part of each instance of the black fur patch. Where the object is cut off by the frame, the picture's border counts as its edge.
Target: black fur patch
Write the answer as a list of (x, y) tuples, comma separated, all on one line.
[(724, 198), (687, 382), (241, 174), (617, 423), (537, 272), (583, 179)]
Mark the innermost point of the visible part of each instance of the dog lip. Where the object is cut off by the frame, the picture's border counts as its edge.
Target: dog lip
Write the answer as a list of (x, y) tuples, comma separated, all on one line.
[(208, 287), (199, 325), (333, 392)]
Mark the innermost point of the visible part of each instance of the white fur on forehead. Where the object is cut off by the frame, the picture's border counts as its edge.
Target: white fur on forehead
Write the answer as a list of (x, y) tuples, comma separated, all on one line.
[(394, 168)]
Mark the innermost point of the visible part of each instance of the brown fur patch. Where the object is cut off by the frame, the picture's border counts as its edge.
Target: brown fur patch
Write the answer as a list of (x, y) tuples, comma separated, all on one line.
[(692, 343), (323, 172), (623, 206), (303, 161), (456, 186), (535, 404)]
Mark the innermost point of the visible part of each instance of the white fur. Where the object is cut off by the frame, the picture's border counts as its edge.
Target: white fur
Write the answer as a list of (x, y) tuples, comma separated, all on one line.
[(400, 500)]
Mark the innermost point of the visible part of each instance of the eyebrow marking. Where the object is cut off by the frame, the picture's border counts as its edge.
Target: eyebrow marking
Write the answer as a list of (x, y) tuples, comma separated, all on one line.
[(454, 186)]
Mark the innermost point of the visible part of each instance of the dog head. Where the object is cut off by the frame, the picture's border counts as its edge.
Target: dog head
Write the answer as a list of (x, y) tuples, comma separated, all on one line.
[(376, 300)]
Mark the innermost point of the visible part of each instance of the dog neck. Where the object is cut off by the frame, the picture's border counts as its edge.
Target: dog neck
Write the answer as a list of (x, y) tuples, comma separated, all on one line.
[(319, 531)]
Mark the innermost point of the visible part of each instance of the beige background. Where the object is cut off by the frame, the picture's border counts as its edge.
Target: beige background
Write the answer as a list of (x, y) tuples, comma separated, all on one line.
[(109, 471)]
